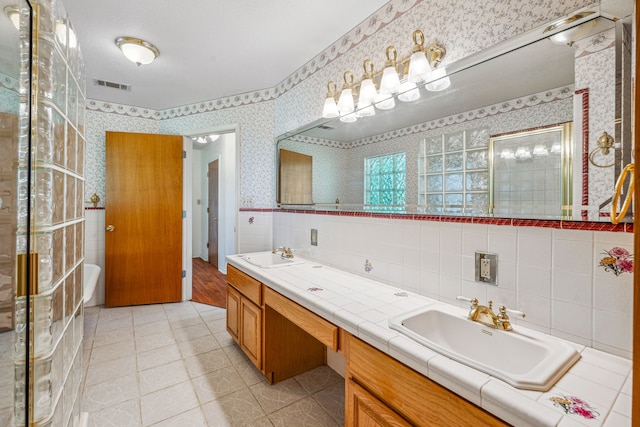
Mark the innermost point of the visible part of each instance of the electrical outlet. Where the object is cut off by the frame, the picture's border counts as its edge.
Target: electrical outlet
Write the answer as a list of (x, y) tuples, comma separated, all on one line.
[(486, 267), (314, 237)]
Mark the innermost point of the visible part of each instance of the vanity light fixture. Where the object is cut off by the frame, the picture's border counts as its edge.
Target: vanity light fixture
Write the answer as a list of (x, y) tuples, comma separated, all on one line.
[(13, 13), (556, 148), (330, 109), (418, 64), (573, 34), (346, 105), (390, 82), (401, 79), (507, 154), (523, 153), (137, 51), (368, 91)]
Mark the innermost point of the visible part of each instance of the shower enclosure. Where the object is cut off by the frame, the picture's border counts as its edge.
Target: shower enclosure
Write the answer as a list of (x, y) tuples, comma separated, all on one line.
[(41, 215)]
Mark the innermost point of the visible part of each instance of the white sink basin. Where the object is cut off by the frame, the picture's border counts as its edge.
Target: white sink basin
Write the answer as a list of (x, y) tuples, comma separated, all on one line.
[(523, 358), (270, 260)]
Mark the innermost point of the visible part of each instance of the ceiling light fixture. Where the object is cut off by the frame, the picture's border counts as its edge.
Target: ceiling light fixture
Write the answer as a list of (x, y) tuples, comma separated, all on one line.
[(399, 79), (205, 139), (136, 50), (13, 13)]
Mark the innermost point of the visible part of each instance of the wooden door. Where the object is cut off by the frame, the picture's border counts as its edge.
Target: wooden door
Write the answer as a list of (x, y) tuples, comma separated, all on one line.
[(143, 218), (295, 178), (213, 213)]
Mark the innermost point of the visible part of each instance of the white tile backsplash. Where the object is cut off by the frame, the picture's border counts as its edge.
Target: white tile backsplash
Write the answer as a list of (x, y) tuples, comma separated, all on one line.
[(552, 275)]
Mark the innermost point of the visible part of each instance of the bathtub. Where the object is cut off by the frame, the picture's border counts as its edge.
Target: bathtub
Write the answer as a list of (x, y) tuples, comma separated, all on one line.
[(90, 276)]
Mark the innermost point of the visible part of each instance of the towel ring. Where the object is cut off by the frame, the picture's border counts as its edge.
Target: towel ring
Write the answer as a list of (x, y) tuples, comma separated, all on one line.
[(615, 217)]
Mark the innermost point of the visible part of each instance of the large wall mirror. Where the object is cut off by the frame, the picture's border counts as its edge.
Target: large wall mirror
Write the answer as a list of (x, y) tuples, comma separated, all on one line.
[(548, 102)]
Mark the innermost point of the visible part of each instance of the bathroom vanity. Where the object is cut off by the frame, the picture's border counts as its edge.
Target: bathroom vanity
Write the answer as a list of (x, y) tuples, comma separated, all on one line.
[(287, 318)]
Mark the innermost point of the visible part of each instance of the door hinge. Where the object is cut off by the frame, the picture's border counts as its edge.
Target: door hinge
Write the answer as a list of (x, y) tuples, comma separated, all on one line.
[(207, 210), (184, 154), (184, 214), (207, 245), (184, 273)]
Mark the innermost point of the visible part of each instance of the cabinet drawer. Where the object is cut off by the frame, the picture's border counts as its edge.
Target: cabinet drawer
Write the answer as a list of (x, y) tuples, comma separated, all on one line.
[(324, 331), (247, 285), (414, 396)]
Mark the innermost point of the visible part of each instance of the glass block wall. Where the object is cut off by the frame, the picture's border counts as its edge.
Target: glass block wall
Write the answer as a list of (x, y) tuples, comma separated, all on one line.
[(57, 221)]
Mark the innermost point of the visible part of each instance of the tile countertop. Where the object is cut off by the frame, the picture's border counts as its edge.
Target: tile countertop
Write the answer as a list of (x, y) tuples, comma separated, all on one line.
[(596, 391)]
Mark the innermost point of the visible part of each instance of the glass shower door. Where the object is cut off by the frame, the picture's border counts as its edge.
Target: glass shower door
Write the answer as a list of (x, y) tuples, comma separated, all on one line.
[(18, 270)]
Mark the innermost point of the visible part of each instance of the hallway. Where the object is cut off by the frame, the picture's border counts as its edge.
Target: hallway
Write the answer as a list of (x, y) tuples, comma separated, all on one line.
[(209, 285), (175, 365)]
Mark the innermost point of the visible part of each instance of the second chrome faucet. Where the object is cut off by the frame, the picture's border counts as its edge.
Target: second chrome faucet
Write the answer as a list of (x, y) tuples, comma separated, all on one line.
[(484, 314)]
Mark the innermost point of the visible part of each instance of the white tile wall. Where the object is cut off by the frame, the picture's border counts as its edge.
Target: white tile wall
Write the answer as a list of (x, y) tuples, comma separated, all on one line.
[(94, 249), (552, 275)]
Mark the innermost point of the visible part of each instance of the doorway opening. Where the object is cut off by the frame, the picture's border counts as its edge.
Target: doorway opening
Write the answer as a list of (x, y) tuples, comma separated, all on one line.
[(214, 193)]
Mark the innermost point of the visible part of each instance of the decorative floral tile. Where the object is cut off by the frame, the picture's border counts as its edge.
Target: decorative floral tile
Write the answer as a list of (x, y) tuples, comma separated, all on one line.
[(617, 261)]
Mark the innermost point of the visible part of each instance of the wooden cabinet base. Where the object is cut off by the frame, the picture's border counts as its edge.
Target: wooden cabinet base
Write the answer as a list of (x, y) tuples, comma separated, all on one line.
[(412, 396)]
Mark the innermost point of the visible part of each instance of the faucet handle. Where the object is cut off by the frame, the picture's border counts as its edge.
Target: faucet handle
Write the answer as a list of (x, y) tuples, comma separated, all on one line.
[(504, 311), (472, 301)]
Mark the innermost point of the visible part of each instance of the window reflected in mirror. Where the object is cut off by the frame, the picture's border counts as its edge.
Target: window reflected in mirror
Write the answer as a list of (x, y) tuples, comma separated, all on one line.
[(531, 173)]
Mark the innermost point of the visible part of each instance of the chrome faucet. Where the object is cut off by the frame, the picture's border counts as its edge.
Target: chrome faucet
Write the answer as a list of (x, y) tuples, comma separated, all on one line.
[(484, 314), (286, 252)]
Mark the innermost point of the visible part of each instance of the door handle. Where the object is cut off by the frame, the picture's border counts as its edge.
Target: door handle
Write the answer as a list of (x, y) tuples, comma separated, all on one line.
[(215, 219), (109, 228)]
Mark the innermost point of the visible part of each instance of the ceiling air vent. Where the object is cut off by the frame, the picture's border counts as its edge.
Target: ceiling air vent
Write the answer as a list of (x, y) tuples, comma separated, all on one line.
[(325, 127), (112, 85)]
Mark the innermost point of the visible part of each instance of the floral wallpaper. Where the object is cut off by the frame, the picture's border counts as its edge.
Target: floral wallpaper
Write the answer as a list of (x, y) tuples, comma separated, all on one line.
[(459, 26)]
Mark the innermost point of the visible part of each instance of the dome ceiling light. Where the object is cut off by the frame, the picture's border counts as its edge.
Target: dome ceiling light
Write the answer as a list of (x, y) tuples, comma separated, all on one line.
[(136, 50)]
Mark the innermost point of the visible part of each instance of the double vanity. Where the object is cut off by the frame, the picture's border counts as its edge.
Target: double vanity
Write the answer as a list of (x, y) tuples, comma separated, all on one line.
[(411, 360)]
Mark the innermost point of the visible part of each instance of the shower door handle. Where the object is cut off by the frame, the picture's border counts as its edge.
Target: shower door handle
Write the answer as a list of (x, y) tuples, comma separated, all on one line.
[(109, 228)]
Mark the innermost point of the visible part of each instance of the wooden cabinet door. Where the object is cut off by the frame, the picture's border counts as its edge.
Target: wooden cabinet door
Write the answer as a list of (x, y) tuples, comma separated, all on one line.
[(233, 313), (364, 410), (251, 331)]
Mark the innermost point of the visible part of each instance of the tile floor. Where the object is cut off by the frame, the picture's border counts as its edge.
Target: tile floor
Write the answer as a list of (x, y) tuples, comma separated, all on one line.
[(175, 365)]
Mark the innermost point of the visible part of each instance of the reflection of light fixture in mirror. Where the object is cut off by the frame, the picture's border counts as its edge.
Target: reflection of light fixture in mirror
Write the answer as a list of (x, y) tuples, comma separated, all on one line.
[(61, 35), (523, 153), (390, 82), (368, 91), (13, 13), (418, 64), (330, 109), (540, 150), (204, 139), (507, 154), (408, 92), (137, 51), (438, 80), (385, 101), (573, 34), (556, 148)]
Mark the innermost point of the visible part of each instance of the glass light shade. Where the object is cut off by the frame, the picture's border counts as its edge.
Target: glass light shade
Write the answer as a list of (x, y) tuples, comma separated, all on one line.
[(438, 80), (556, 148), (390, 82), (330, 109), (13, 13), (418, 67), (349, 118), (345, 103), (507, 154), (573, 34), (136, 50), (408, 92), (385, 101), (540, 150), (368, 93)]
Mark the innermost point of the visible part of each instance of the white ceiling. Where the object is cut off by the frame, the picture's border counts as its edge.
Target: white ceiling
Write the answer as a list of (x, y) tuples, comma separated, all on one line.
[(209, 49)]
